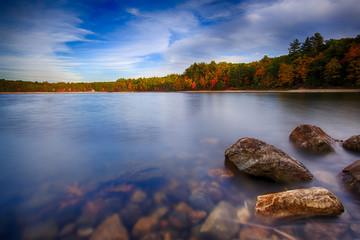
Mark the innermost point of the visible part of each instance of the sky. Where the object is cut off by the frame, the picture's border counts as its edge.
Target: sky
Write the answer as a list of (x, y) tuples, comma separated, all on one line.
[(104, 40)]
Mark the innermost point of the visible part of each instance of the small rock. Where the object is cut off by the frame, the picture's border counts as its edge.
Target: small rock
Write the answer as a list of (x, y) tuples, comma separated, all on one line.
[(144, 226), (258, 158), (85, 232), (313, 138), (152, 236), (254, 233), (329, 231), (111, 229), (200, 201), (298, 203), (243, 214), (197, 216), (130, 215), (183, 207), (352, 143), (350, 176), (221, 222), (138, 196), (160, 198), (160, 212), (46, 230), (220, 173), (177, 192), (179, 219), (67, 229), (355, 228)]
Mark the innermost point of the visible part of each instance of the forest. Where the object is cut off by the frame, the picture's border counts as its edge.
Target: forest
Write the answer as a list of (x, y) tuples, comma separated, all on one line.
[(314, 63)]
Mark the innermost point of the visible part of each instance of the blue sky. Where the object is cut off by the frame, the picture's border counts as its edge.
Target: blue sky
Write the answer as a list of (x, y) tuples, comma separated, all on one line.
[(103, 40)]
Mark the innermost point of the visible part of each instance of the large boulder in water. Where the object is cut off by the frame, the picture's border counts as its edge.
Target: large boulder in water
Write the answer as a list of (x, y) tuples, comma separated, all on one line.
[(298, 203), (312, 138), (221, 223), (352, 143), (258, 158), (351, 176)]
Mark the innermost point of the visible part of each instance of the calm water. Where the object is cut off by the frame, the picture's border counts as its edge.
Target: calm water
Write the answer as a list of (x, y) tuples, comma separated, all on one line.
[(77, 158)]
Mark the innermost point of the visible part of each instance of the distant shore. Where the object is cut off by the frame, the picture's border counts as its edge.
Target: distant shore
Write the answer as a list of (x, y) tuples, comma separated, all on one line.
[(220, 91)]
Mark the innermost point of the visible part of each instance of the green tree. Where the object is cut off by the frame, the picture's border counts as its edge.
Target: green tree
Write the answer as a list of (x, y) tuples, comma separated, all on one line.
[(294, 46)]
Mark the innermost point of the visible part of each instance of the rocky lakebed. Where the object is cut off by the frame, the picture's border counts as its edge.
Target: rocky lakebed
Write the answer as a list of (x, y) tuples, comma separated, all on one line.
[(145, 204)]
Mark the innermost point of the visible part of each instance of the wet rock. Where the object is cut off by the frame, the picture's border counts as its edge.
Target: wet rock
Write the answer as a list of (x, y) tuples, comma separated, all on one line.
[(197, 216), (130, 215), (67, 229), (258, 158), (298, 203), (179, 219), (350, 176), (46, 231), (352, 143), (326, 231), (111, 229), (220, 173), (254, 233), (144, 226), (85, 232), (160, 198), (312, 138), (178, 192), (200, 201), (138, 196), (221, 223), (152, 236), (183, 207), (243, 214), (160, 212)]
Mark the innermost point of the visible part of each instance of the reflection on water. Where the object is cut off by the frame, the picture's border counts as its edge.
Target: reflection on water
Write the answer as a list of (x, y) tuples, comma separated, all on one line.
[(70, 161)]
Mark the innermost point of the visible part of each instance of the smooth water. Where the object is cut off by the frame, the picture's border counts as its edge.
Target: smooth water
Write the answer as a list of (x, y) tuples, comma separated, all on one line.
[(61, 153)]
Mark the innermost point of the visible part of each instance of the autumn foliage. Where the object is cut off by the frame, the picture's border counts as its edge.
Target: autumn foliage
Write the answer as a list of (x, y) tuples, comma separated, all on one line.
[(313, 64)]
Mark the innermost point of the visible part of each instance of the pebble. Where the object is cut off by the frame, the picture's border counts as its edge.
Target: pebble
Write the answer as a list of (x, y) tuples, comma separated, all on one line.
[(160, 198), (67, 229), (197, 216), (85, 232), (253, 233), (160, 212), (138, 196), (183, 207), (130, 214)]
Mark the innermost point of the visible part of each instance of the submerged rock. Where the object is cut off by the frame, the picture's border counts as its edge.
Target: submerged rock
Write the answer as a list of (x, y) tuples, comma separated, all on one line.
[(200, 201), (144, 226), (352, 143), (110, 229), (351, 176), (221, 223), (258, 158), (325, 230), (312, 138), (298, 203)]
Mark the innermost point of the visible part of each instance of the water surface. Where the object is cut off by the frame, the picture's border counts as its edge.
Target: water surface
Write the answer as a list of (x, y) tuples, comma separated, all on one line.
[(154, 142)]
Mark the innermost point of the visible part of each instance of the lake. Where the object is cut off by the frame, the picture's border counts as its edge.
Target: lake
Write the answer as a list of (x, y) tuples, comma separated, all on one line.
[(68, 161)]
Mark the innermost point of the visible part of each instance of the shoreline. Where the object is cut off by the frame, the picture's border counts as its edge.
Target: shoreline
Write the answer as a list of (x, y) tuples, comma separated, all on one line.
[(214, 91)]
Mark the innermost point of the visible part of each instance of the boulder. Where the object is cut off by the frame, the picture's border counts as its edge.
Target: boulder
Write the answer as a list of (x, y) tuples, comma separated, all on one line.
[(312, 138), (221, 223), (352, 143), (111, 229), (298, 203), (350, 176), (258, 158)]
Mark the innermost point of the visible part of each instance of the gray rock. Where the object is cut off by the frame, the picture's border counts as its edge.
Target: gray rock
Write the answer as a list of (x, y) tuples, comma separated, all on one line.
[(258, 158), (110, 229), (352, 143), (200, 201), (298, 203), (312, 138), (221, 223), (350, 176)]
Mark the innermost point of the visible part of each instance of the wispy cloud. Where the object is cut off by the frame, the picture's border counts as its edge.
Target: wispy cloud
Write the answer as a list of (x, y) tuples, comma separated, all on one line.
[(35, 41)]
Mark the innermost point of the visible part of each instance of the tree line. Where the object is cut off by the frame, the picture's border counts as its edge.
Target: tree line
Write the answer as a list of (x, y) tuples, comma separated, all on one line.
[(314, 63)]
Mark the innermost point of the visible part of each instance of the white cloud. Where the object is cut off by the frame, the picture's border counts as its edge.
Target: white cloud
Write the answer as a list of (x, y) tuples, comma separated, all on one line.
[(34, 43)]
